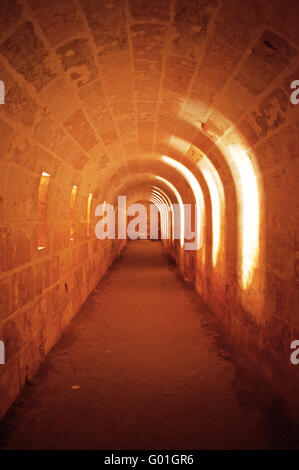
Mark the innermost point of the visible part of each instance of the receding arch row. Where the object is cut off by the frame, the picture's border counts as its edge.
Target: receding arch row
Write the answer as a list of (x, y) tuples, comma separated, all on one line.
[(163, 171), (229, 151), (241, 166)]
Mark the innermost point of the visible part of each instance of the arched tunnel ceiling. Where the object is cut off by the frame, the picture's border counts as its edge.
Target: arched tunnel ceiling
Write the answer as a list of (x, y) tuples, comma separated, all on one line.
[(99, 83), (140, 188), (112, 97)]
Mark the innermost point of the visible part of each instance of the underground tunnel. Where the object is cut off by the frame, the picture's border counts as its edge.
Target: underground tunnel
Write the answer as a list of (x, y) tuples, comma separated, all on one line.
[(115, 332)]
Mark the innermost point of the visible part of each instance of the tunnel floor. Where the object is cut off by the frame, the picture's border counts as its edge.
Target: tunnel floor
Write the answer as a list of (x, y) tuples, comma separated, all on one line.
[(148, 372)]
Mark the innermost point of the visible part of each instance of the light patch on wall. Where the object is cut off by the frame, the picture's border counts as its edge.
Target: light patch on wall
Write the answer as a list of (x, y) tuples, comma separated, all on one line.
[(169, 205), (2, 353), (88, 214), (2, 92), (163, 217), (167, 211), (216, 190), (198, 195), (195, 113), (160, 206), (157, 204), (245, 177), (72, 212), (180, 145), (42, 210), (181, 206)]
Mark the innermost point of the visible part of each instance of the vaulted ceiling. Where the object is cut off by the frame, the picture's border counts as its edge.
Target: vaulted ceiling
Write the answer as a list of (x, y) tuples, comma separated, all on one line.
[(94, 84)]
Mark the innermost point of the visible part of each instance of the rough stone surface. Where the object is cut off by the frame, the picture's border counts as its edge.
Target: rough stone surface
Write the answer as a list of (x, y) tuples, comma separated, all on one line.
[(144, 347), (95, 93)]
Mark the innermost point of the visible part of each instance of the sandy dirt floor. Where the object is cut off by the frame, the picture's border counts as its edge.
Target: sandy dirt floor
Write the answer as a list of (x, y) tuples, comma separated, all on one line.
[(153, 372)]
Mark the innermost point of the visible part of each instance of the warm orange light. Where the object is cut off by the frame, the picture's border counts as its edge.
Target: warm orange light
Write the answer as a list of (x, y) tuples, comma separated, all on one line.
[(181, 206), (195, 186), (216, 190), (180, 145), (169, 205), (246, 181), (72, 212), (161, 205), (164, 215), (88, 214), (42, 206), (161, 212)]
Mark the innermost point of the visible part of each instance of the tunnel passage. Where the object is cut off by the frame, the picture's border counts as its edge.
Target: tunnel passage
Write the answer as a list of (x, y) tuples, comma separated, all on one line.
[(187, 101), (141, 367)]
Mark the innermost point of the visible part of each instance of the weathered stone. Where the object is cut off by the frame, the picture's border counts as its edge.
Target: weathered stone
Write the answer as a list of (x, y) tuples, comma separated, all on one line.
[(179, 72), (77, 59), (10, 13), (269, 57), (78, 127), (107, 24), (59, 20), (20, 107), (8, 296), (191, 22), (155, 10), (95, 93), (28, 55)]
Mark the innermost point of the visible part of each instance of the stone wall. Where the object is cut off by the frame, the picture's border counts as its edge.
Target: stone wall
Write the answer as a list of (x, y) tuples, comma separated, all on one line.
[(96, 91)]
